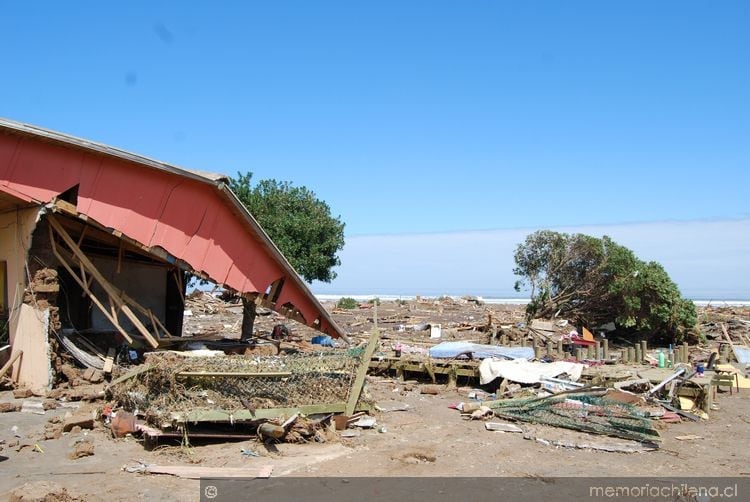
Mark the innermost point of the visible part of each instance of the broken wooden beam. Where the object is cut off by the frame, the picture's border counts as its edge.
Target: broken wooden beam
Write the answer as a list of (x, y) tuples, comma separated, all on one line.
[(130, 374), (258, 414), (364, 365), (109, 361), (12, 360)]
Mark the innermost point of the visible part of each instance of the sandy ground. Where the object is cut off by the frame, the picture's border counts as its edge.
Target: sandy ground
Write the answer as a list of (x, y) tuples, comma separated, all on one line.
[(429, 439)]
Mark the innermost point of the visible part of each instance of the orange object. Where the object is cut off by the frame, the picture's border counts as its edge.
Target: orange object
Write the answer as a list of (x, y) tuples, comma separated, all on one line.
[(587, 335)]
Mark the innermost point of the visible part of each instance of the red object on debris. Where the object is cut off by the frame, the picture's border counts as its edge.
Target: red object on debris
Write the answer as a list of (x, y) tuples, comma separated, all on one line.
[(577, 340), (123, 423), (670, 417)]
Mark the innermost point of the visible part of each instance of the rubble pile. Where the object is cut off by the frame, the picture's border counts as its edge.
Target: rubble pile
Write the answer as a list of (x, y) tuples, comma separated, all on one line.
[(202, 302)]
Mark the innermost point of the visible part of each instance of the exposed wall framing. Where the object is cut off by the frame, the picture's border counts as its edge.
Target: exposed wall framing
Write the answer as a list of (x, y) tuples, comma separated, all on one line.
[(117, 301)]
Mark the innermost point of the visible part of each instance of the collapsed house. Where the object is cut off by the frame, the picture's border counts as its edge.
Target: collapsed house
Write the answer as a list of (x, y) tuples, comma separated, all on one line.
[(100, 241)]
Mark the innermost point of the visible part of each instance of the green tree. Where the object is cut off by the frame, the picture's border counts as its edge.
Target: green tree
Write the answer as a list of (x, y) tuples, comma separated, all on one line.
[(596, 281), (298, 222)]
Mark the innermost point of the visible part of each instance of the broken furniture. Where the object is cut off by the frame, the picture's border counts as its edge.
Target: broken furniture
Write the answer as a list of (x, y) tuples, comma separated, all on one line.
[(726, 377)]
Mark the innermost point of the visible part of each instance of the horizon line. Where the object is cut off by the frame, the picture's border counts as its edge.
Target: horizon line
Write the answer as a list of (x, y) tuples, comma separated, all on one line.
[(580, 225)]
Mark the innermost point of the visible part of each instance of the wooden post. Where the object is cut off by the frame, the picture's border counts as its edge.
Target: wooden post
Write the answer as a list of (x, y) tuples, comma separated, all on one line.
[(685, 353), (638, 354), (452, 378), (579, 354), (504, 339), (644, 348), (537, 351), (427, 365), (400, 371), (598, 350), (631, 354), (559, 348), (364, 365), (590, 352), (248, 318), (605, 346), (726, 335), (550, 349)]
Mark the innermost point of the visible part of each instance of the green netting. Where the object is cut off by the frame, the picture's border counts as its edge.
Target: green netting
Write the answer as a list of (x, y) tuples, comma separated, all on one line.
[(317, 378), (586, 413)]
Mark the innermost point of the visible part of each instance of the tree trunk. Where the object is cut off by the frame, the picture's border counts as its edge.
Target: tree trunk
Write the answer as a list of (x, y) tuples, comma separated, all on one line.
[(248, 318)]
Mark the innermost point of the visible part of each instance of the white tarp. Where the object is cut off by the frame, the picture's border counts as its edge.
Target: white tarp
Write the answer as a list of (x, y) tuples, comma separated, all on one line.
[(522, 371), (742, 354)]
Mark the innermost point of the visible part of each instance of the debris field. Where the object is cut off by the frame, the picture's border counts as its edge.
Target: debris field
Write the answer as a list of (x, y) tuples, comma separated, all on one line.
[(425, 387)]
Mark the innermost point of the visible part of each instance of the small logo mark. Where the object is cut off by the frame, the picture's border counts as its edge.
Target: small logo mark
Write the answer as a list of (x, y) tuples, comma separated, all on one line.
[(211, 492)]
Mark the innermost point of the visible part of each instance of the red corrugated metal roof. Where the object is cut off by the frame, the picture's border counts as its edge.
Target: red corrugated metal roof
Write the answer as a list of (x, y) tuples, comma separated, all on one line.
[(194, 218)]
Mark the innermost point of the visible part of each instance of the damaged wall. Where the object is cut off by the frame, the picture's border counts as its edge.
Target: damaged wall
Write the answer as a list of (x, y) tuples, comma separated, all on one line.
[(16, 227), (27, 325)]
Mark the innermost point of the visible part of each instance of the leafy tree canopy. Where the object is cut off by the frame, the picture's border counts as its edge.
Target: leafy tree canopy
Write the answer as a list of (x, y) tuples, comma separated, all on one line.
[(597, 281), (298, 222)]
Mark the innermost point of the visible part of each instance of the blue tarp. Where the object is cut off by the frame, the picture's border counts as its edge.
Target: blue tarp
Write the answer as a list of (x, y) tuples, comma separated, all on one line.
[(324, 340), (479, 351)]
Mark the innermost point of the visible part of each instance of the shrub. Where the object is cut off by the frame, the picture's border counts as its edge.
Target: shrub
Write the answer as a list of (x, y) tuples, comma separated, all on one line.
[(347, 303)]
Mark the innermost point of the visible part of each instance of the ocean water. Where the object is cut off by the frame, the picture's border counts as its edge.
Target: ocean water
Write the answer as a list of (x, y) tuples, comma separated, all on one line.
[(499, 301)]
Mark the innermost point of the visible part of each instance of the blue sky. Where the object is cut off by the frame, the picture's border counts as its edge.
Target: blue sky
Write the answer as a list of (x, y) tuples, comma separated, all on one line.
[(422, 117)]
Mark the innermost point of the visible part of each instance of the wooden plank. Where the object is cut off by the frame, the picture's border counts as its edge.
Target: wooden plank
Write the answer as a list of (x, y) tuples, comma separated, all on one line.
[(66, 207), (109, 362), (726, 335), (33, 370), (119, 258), (12, 360), (130, 374), (259, 414), (359, 380), (419, 368)]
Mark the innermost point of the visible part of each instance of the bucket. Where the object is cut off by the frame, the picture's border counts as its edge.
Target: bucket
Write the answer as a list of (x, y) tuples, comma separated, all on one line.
[(341, 422)]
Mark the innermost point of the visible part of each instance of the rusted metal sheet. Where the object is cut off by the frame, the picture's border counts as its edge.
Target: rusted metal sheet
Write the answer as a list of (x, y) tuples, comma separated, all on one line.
[(196, 220)]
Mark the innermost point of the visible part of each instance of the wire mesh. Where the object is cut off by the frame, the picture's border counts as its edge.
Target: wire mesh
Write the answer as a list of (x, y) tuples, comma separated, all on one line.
[(316, 378), (584, 413)]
